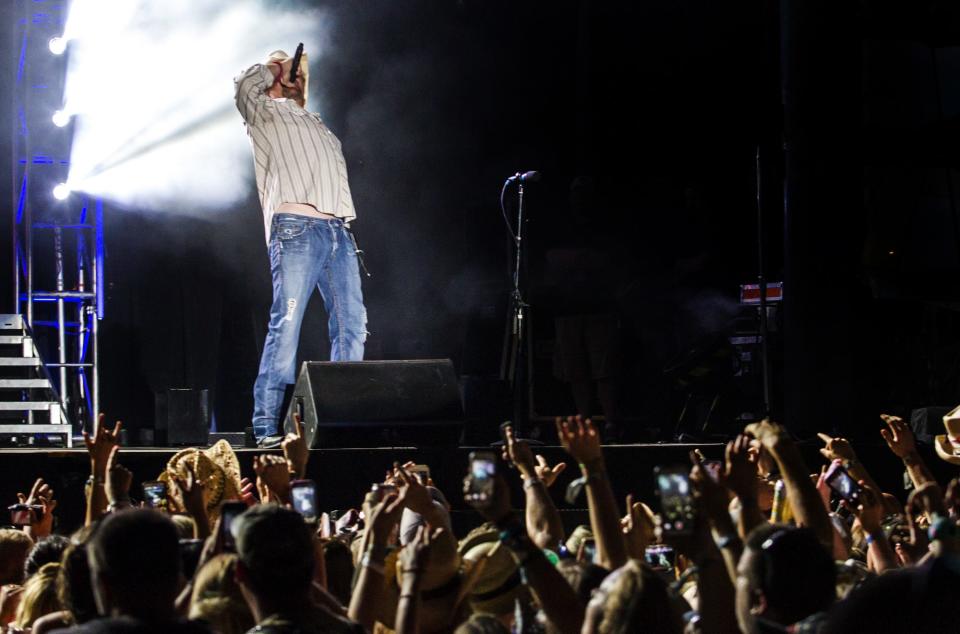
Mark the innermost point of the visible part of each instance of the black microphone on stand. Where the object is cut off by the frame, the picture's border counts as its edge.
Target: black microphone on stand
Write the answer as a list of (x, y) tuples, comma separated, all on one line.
[(296, 63), (526, 177)]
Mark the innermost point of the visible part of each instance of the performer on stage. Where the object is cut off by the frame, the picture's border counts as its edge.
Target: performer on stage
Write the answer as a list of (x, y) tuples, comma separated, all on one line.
[(307, 207)]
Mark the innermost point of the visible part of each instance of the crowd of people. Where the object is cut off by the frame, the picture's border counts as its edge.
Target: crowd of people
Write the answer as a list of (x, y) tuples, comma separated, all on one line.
[(756, 542)]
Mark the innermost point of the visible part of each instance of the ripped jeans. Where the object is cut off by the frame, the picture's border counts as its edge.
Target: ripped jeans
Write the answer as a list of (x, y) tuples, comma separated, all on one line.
[(307, 252)]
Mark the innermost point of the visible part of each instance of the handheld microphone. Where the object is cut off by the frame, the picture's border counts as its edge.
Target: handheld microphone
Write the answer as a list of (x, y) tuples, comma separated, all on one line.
[(526, 177), (296, 63)]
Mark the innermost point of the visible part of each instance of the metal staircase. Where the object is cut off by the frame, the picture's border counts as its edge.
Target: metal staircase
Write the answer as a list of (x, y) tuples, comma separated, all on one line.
[(30, 409)]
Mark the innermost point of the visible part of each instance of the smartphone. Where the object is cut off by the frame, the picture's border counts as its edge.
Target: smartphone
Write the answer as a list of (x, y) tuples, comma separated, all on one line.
[(380, 491), (421, 472), (843, 483), (303, 493), (676, 500), (228, 513), (483, 470), (155, 495), (25, 514), (660, 557)]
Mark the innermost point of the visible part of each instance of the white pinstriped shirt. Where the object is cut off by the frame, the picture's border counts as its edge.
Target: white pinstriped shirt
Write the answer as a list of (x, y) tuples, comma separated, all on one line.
[(297, 158)]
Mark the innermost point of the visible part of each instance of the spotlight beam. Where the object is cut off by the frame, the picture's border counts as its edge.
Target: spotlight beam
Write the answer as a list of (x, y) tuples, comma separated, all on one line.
[(120, 157)]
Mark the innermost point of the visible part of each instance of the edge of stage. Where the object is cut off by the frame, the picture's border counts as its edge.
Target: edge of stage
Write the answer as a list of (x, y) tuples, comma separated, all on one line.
[(344, 475)]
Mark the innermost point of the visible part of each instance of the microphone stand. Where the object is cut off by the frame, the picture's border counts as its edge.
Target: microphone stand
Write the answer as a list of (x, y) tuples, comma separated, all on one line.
[(513, 367)]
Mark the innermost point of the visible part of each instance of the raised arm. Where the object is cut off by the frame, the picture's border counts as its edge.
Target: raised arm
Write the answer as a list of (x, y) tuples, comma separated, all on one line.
[(368, 592), (841, 449), (250, 90), (99, 447), (801, 492), (582, 442), (902, 443), (559, 602), (542, 517), (739, 474)]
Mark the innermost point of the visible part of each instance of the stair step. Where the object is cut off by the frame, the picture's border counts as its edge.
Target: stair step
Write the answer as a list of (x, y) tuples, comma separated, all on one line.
[(20, 361), (11, 322), (23, 384), (13, 339), (22, 406), (35, 428)]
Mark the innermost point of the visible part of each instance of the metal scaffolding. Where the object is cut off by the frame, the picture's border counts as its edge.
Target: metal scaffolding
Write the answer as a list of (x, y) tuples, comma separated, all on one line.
[(57, 250)]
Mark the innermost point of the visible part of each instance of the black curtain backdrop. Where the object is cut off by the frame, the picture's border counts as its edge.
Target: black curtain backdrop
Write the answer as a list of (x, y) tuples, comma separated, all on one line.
[(660, 104)]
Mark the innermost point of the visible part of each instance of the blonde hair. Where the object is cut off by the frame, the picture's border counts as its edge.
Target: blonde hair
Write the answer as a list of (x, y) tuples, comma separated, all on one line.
[(15, 545), (39, 596), (217, 599)]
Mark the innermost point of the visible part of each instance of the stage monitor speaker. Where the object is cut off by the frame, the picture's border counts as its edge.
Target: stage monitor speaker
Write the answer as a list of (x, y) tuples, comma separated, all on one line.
[(182, 418), (378, 403)]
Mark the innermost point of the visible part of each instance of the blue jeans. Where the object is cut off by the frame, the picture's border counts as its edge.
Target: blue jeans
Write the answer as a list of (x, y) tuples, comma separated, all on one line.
[(307, 252)]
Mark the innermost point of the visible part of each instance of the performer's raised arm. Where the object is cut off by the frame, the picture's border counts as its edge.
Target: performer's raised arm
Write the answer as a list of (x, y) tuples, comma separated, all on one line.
[(250, 89)]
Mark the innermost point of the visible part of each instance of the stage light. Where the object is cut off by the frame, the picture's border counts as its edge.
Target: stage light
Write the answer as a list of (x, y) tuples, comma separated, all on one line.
[(60, 118), (61, 191), (160, 131), (57, 45)]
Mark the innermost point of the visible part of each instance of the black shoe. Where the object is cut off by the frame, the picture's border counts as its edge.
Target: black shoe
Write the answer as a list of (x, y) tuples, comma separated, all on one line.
[(269, 442)]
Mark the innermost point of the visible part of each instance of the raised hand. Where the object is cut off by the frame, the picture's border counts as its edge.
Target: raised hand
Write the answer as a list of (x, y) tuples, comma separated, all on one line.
[(517, 452), (870, 509), (40, 495), (823, 488), (739, 473), (273, 472), (118, 480), (712, 498), (769, 433), (547, 473), (580, 439), (191, 492), (101, 444), (899, 436), (384, 517), (415, 556), (415, 495), (295, 449), (638, 528), (248, 492), (836, 448)]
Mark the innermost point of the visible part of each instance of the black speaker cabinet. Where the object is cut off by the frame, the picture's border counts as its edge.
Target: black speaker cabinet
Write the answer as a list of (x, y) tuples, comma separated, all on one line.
[(182, 418), (378, 403)]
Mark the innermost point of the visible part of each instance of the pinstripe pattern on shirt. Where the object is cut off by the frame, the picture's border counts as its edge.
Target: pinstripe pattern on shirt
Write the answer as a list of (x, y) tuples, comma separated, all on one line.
[(297, 159)]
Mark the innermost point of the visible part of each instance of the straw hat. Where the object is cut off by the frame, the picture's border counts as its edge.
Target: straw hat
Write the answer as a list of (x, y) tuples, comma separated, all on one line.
[(948, 445), (217, 468)]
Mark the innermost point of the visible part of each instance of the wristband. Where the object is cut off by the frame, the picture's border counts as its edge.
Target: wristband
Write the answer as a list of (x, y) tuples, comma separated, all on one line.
[(529, 483), (869, 539), (96, 480)]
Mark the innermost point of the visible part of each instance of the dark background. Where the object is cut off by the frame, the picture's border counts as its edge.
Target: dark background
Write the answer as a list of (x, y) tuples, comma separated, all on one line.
[(661, 105)]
